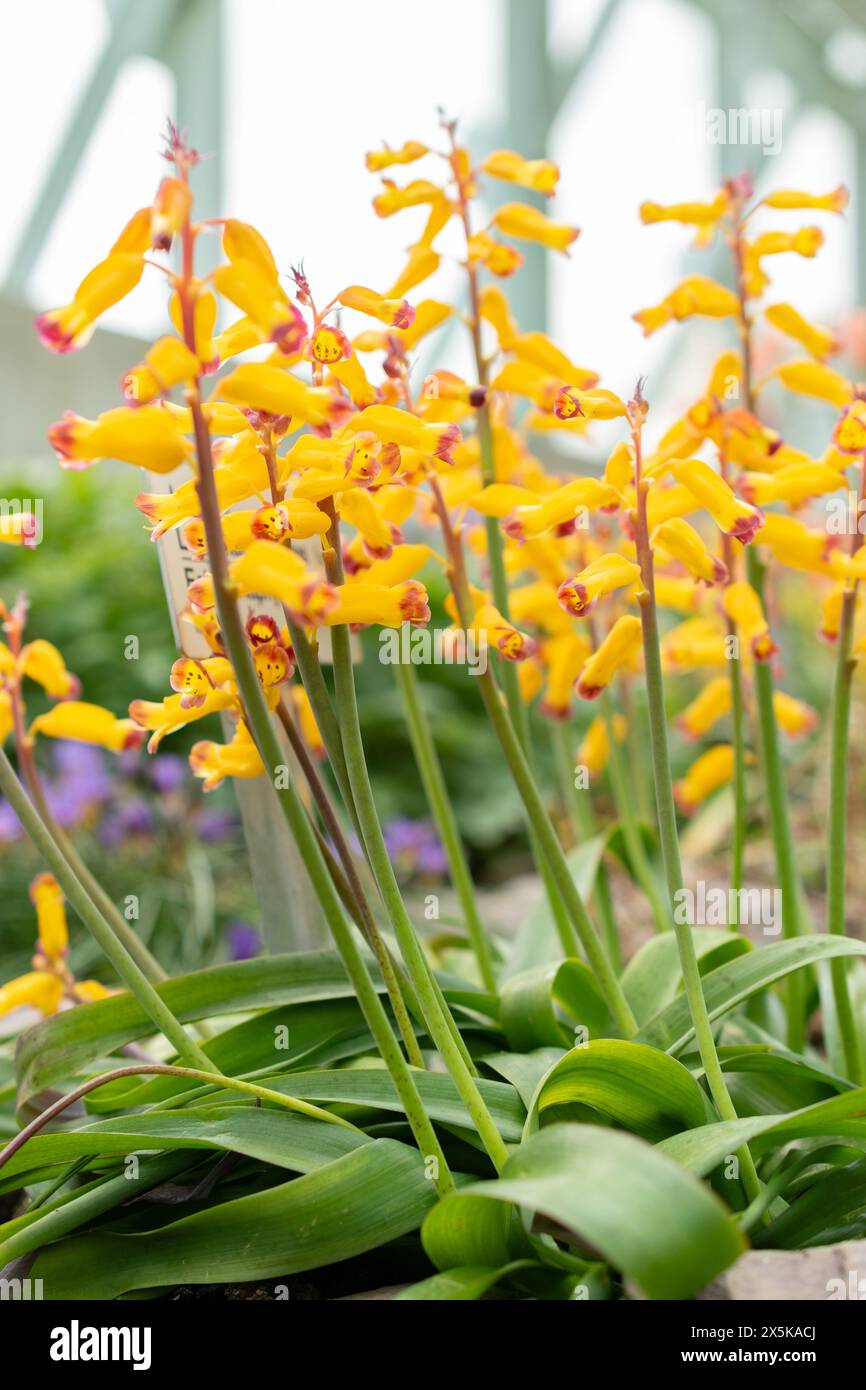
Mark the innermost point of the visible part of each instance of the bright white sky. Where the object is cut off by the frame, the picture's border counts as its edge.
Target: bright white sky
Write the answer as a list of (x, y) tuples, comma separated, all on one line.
[(312, 86)]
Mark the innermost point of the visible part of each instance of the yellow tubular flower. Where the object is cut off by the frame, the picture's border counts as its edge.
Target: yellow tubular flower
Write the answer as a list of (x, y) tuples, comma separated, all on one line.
[(168, 363), (146, 437), (415, 194), (815, 379), (795, 484), (541, 175), (275, 391), (664, 503), (695, 295), (619, 469), (619, 646), (40, 661), (409, 151), (86, 723), (7, 718), (691, 214), (837, 201), (20, 528), (307, 721), (676, 592), (594, 749), (422, 262), (601, 576), (494, 308), (572, 404), (819, 342), (403, 563), (849, 436), (204, 321), (65, 330), (743, 606), (364, 603), (561, 508), (47, 897), (693, 644), (393, 312), (564, 658), (393, 426), (39, 989), (171, 208), (795, 545), (794, 717), (167, 716), (739, 520), (268, 568), (213, 762), (538, 350), (528, 224), (262, 298), (711, 770), (501, 260), (243, 242), (512, 645), (707, 708), (831, 613), (681, 542)]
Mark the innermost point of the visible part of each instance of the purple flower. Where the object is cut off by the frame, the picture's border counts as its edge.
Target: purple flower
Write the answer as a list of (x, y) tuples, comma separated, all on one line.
[(244, 941), (133, 817), (168, 772), (10, 825), (214, 825), (414, 847)]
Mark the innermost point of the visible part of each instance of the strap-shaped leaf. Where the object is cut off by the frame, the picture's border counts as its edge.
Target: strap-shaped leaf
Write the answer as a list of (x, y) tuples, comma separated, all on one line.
[(727, 986), (375, 1194), (645, 1214), (639, 1088)]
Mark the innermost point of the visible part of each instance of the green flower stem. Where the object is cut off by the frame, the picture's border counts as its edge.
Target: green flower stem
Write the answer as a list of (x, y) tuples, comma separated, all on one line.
[(582, 817), (738, 723), (358, 898), (791, 888), (129, 972), (440, 1023), (623, 796), (780, 822), (436, 791), (517, 709), (837, 826), (307, 658), (579, 927), (231, 1083), (667, 819), (259, 721), (146, 962)]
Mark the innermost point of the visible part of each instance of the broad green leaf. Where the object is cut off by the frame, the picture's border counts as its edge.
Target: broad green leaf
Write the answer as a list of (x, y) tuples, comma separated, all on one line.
[(728, 985), (464, 1285), (260, 1133), (375, 1194), (372, 1086), (635, 1087), (59, 1047), (524, 1069), (832, 1210), (543, 1006), (700, 1150), (298, 1035), (646, 1215), (653, 976)]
